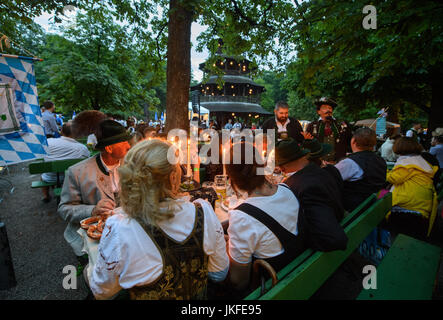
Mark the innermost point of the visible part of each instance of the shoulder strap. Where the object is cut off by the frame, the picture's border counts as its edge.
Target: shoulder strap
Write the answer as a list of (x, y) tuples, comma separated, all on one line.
[(286, 238)]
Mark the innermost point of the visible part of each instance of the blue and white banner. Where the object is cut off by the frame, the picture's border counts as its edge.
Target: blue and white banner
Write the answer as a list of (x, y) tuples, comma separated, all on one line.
[(381, 126), (29, 141)]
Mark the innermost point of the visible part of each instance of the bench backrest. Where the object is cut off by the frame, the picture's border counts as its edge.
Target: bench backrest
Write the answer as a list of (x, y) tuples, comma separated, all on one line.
[(302, 277), (52, 166)]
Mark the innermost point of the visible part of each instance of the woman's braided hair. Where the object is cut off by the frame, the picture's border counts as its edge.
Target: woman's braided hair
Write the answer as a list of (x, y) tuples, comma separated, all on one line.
[(146, 191)]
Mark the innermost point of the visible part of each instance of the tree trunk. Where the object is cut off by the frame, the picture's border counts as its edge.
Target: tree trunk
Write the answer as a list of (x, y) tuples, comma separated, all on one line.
[(178, 71), (436, 113)]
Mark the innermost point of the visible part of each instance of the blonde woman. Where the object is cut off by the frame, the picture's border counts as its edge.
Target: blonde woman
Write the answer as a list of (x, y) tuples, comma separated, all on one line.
[(158, 246)]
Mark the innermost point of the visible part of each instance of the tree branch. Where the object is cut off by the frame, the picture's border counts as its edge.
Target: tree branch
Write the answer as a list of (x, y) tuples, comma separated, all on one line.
[(157, 43)]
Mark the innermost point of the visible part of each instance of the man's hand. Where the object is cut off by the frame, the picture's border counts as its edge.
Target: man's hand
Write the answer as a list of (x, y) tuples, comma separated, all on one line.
[(103, 207), (307, 135)]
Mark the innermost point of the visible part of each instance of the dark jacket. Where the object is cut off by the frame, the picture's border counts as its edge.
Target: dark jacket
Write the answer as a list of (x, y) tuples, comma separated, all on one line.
[(343, 145), (319, 194), (294, 128), (374, 179)]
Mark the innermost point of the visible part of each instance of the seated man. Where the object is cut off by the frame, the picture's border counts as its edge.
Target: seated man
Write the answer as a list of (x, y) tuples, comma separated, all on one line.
[(61, 149), (91, 186), (318, 195), (317, 152), (364, 172)]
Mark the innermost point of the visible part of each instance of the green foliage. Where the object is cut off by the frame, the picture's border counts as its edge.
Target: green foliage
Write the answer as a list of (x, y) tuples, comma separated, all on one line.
[(274, 90), (365, 70)]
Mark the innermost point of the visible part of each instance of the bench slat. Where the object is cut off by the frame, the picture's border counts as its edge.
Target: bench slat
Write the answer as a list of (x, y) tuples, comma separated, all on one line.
[(308, 253), (407, 272), (41, 184), (308, 277), (62, 165), (40, 167)]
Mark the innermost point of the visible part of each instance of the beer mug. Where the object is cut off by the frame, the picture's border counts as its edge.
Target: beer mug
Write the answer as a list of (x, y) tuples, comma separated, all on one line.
[(220, 187), (283, 135)]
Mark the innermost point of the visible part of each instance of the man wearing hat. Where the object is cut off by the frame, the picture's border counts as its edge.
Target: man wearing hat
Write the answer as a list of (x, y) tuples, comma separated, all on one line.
[(329, 130), (319, 198), (317, 152), (91, 186)]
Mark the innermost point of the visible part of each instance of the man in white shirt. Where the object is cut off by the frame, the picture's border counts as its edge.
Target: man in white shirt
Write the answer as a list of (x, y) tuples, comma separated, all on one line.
[(61, 149), (91, 186), (414, 131), (363, 172), (286, 126)]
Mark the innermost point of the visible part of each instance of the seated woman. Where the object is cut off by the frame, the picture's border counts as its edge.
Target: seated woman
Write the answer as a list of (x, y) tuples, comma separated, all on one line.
[(158, 246), (265, 225), (414, 206)]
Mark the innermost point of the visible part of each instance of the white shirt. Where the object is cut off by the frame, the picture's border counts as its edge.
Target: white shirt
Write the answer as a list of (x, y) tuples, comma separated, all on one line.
[(410, 133), (349, 170), (386, 150), (61, 149), (113, 174), (282, 127), (92, 139), (128, 257), (237, 125), (248, 237)]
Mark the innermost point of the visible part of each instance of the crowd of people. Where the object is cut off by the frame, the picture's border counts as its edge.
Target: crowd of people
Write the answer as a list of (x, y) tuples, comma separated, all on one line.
[(157, 244)]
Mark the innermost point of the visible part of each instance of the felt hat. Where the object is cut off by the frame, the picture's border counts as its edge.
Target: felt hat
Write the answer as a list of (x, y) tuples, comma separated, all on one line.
[(111, 132), (287, 151), (325, 100), (316, 148)]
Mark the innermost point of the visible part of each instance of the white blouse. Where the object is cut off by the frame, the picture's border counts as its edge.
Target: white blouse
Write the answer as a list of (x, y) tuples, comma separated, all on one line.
[(249, 237), (128, 257)]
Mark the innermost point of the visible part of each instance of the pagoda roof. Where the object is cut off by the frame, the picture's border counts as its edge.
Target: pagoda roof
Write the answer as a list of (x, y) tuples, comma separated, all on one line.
[(237, 107), (227, 79)]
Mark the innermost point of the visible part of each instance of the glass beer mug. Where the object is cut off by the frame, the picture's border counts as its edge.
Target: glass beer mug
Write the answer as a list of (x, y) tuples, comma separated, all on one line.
[(220, 182)]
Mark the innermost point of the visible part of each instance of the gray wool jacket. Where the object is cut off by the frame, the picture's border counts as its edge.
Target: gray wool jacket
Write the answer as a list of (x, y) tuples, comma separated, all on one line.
[(85, 184)]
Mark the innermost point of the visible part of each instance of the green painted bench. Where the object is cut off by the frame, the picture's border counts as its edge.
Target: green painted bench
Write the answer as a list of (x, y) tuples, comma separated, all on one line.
[(305, 275), (407, 272), (57, 166)]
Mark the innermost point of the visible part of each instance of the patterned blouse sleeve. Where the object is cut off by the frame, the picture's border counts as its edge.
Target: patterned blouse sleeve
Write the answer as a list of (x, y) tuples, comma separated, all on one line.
[(104, 280)]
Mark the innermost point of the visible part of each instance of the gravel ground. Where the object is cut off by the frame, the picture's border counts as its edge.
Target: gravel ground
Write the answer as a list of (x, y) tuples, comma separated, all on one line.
[(39, 250)]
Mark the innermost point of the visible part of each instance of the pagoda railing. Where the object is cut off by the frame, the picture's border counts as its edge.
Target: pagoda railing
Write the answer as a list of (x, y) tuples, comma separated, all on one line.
[(236, 73), (246, 99)]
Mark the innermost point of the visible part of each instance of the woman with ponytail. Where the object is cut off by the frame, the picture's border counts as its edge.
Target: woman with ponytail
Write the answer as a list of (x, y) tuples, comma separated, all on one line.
[(158, 245), (265, 225)]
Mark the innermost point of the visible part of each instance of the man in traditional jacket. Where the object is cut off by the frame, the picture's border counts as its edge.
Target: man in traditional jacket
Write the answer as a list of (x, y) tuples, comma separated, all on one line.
[(91, 186), (329, 130)]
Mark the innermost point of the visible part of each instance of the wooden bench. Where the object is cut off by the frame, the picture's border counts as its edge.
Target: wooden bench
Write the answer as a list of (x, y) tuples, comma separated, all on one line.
[(407, 272), (57, 166), (304, 276)]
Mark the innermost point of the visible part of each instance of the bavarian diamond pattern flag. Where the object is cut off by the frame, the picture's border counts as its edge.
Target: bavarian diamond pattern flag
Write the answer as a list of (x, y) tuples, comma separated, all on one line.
[(22, 136), (8, 119)]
